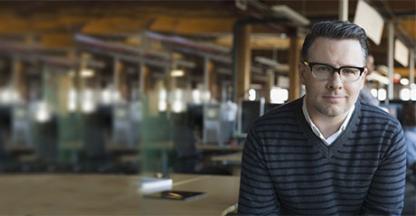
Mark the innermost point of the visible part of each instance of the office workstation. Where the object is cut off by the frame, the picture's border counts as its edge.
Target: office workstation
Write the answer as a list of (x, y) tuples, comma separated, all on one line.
[(96, 96), (91, 194)]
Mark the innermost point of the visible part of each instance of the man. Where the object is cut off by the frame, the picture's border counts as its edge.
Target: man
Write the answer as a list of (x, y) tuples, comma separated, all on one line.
[(365, 94), (408, 120), (325, 153)]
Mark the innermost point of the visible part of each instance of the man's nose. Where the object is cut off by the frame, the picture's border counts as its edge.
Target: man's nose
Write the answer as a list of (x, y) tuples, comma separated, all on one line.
[(335, 81)]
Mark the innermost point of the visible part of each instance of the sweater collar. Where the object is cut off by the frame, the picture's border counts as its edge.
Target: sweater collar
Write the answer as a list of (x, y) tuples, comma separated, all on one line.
[(330, 150), (316, 130)]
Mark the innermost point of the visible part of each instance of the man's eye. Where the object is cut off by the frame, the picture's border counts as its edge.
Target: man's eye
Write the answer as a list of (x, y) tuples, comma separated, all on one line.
[(349, 71), (322, 68)]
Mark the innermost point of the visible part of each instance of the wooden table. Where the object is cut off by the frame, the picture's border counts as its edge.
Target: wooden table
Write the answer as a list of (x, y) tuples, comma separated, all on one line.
[(110, 195), (233, 158), (212, 147)]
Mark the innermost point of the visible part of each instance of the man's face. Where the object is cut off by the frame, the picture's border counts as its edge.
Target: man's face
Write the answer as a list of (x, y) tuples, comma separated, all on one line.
[(332, 97)]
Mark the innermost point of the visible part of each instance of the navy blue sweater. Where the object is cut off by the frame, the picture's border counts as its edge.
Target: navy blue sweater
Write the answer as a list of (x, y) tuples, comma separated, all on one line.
[(288, 170)]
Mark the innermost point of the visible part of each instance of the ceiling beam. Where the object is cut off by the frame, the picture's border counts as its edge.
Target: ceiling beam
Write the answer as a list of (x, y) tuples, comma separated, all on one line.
[(182, 25), (404, 72)]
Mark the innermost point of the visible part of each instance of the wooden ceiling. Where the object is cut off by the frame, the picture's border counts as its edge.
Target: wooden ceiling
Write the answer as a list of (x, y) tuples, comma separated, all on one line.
[(54, 24)]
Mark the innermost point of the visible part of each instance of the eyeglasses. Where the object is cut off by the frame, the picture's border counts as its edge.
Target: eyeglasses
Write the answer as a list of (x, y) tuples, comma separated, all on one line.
[(324, 71)]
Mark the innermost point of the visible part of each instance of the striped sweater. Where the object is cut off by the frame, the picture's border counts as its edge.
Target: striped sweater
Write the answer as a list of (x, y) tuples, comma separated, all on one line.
[(288, 170)]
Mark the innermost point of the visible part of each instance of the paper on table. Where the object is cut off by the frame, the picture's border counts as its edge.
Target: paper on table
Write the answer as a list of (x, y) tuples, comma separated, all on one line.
[(150, 185)]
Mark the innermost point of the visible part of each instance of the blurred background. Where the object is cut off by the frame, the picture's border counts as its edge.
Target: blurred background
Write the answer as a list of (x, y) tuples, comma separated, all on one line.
[(145, 87), (85, 85)]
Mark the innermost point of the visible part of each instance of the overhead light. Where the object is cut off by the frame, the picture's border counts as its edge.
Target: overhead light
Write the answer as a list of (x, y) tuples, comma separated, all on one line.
[(43, 113), (382, 94), (177, 73), (251, 95), (290, 14), (107, 95), (404, 81), (88, 101), (8, 96), (87, 73), (178, 101), (278, 95), (196, 96), (374, 92), (72, 100), (162, 104), (405, 94)]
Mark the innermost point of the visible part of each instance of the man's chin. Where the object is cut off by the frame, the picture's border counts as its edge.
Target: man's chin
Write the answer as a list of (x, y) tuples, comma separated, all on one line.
[(332, 111)]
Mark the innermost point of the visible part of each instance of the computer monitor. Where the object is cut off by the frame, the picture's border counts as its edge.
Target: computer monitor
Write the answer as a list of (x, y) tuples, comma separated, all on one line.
[(196, 118), (211, 131), (250, 111)]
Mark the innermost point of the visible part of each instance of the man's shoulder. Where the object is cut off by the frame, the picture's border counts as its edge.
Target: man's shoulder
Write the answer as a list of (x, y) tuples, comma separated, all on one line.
[(285, 113), (286, 108), (377, 115)]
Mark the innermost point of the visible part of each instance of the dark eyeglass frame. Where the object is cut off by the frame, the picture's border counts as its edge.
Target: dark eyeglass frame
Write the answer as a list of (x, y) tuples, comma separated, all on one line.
[(334, 69)]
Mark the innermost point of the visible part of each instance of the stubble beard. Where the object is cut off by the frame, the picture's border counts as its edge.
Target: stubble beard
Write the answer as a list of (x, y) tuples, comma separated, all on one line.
[(330, 110)]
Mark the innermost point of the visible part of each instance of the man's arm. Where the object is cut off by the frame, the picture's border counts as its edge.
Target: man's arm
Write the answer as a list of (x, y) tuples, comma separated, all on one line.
[(386, 193), (257, 195)]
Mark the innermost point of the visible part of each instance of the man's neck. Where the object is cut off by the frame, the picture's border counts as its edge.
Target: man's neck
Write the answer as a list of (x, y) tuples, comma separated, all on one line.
[(327, 125)]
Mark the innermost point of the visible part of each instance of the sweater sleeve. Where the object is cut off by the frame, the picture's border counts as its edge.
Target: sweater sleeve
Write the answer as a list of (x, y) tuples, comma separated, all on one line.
[(257, 195), (386, 192)]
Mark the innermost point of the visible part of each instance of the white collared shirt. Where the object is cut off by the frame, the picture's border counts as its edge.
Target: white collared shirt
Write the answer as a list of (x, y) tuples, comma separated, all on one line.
[(328, 141)]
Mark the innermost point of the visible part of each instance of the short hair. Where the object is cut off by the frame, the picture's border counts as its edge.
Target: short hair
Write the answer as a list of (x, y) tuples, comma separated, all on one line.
[(335, 29)]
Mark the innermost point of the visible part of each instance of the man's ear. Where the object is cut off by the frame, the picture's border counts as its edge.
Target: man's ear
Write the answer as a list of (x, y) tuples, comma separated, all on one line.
[(365, 73), (364, 77)]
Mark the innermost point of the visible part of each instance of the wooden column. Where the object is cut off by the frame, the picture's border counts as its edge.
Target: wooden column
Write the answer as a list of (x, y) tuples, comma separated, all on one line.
[(412, 67), (18, 79), (210, 78), (269, 84), (119, 79), (390, 61), (171, 83), (144, 79), (243, 62), (294, 58)]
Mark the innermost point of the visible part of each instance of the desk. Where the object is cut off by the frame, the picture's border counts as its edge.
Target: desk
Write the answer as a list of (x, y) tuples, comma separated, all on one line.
[(109, 195), (222, 192), (215, 147), (234, 158)]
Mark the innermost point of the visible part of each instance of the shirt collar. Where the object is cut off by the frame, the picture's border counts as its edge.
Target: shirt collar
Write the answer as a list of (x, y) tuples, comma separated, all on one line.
[(316, 130)]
